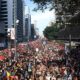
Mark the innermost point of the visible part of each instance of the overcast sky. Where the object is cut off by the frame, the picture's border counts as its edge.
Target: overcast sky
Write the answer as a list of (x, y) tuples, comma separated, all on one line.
[(42, 19)]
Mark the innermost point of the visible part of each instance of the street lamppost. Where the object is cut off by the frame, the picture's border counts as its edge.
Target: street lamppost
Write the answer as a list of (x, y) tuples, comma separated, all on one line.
[(9, 37), (15, 40)]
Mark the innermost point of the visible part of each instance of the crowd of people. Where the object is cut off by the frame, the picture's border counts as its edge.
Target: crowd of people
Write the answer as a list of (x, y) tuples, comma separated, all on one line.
[(48, 63)]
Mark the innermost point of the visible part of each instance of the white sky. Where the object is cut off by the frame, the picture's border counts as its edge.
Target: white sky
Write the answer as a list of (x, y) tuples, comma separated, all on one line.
[(41, 19)]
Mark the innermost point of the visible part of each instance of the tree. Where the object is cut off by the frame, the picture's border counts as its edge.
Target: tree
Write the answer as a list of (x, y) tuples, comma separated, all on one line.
[(67, 5), (64, 9), (43, 4), (50, 32)]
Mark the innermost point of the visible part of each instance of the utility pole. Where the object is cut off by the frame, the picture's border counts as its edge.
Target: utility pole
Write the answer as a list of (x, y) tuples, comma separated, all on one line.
[(15, 41), (16, 21)]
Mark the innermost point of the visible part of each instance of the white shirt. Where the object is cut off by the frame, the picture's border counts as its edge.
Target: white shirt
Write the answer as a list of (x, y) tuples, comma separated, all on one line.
[(53, 78), (48, 77), (70, 77)]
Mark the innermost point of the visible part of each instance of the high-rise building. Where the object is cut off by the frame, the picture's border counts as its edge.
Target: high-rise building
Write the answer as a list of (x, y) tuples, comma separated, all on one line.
[(0, 5), (33, 32), (7, 14), (0, 8), (10, 12), (20, 18), (3, 38), (4, 12), (27, 29)]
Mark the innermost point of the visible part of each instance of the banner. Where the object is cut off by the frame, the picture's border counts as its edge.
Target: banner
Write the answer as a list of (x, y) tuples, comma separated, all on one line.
[(11, 33)]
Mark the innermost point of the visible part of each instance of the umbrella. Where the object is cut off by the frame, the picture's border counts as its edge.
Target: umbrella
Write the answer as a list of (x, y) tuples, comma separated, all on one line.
[(2, 58)]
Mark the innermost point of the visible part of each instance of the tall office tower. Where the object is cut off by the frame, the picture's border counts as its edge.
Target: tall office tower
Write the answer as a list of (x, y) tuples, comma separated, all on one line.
[(18, 10), (4, 12), (0, 8), (24, 10), (20, 18), (27, 29), (33, 32), (7, 13), (0, 5), (3, 23), (11, 11)]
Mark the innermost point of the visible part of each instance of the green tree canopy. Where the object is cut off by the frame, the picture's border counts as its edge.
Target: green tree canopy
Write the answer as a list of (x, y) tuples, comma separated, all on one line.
[(50, 32), (43, 4), (67, 5)]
